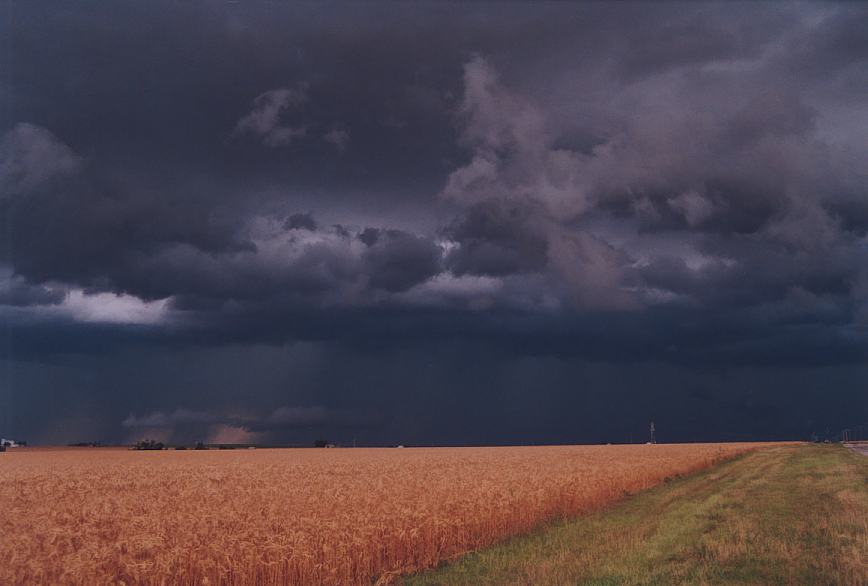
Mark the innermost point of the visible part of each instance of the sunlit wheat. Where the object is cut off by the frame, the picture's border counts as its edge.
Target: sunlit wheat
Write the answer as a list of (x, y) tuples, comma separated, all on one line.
[(341, 516)]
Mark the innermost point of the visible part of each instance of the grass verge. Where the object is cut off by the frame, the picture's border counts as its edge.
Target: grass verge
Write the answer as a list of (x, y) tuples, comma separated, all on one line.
[(785, 515)]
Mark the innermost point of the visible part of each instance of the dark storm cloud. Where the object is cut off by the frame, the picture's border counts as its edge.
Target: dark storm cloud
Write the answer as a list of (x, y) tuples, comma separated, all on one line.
[(396, 260), (608, 182), (748, 163), (302, 220), (496, 238), (63, 221), (64, 224)]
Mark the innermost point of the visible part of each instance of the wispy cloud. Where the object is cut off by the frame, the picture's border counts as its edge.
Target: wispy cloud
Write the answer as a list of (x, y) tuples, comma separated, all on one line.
[(266, 120)]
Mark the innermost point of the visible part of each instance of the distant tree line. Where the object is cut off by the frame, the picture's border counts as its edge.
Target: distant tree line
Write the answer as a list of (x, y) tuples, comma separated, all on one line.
[(149, 445)]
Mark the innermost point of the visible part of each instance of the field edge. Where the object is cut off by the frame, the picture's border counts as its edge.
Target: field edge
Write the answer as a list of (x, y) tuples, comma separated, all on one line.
[(731, 523)]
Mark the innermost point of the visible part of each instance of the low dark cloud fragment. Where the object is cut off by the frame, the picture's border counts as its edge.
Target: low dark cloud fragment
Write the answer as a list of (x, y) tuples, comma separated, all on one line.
[(396, 260), (496, 238), (304, 221), (370, 236)]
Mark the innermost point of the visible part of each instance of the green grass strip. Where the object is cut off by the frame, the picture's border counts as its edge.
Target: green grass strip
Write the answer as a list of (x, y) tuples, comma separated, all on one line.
[(785, 515)]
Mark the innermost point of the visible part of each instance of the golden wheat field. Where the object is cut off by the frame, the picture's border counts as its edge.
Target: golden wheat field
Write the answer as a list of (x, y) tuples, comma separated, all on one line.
[(298, 516)]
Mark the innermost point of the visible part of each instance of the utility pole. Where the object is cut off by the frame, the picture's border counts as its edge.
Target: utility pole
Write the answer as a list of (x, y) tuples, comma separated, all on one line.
[(653, 439)]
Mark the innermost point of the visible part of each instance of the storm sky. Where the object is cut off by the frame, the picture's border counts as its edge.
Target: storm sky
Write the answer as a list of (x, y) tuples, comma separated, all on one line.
[(432, 223)]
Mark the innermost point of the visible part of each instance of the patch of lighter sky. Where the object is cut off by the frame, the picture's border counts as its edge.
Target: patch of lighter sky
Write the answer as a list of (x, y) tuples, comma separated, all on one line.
[(446, 286), (112, 308)]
